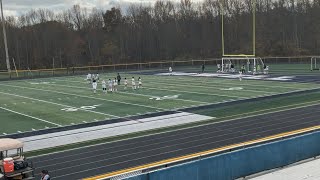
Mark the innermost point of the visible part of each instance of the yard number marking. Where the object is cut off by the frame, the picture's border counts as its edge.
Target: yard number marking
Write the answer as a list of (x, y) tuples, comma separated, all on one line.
[(233, 89), (165, 97), (73, 109)]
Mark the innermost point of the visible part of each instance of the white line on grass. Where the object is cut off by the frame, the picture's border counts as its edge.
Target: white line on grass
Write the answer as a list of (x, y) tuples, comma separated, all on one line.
[(215, 88), (201, 125), (30, 116), (83, 96), (58, 104), (223, 80), (211, 94), (172, 90), (120, 92)]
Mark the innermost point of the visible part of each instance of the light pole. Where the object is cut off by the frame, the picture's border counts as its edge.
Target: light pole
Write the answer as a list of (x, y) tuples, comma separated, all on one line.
[(5, 39)]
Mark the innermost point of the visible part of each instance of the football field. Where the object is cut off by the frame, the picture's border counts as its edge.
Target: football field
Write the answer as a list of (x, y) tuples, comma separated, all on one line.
[(31, 105)]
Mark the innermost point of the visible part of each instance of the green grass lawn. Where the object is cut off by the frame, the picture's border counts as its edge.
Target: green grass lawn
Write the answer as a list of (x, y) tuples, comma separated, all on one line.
[(29, 105)]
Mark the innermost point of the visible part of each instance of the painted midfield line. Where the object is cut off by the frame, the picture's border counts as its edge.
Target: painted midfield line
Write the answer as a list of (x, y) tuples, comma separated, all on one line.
[(30, 116), (184, 85), (90, 97), (216, 87), (226, 81), (120, 92), (59, 104), (172, 90)]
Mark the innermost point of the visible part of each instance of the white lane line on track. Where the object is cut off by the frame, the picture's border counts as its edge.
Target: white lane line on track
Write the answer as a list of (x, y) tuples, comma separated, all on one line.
[(32, 117), (193, 134), (58, 104), (83, 96), (245, 135), (290, 107)]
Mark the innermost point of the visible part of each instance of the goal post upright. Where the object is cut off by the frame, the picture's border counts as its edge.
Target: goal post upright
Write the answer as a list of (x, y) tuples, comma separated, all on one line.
[(314, 63), (222, 4)]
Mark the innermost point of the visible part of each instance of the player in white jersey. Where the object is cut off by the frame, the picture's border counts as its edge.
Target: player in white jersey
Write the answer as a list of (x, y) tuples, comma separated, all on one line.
[(104, 86), (140, 83), (94, 85), (133, 82), (89, 76), (125, 83), (219, 68), (115, 85), (110, 85), (170, 70), (240, 75), (266, 69), (97, 77)]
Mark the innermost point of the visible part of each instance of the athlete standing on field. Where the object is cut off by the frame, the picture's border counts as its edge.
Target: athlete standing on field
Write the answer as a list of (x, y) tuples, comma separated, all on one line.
[(170, 70), (125, 83), (140, 83), (133, 82), (115, 85), (119, 78), (202, 68), (104, 86), (240, 75), (110, 85), (94, 85)]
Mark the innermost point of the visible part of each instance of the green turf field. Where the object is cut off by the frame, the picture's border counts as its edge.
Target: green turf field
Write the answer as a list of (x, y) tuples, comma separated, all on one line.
[(30, 105)]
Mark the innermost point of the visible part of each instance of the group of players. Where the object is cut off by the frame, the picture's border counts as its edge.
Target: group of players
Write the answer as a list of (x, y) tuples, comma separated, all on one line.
[(113, 84), (229, 67)]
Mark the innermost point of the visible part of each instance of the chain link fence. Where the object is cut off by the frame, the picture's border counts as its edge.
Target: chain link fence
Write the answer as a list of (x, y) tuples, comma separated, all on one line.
[(277, 64)]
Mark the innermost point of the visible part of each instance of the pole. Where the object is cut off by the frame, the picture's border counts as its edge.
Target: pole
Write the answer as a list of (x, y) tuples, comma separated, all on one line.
[(5, 40), (254, 6), (15, 67), (222, 26), (53, 66)]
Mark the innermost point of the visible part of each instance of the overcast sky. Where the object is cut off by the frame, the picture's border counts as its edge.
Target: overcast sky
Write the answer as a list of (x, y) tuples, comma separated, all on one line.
[(17, 7)]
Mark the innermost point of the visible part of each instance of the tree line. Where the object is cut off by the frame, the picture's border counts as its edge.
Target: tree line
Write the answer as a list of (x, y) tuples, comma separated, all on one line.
[(162, 31)]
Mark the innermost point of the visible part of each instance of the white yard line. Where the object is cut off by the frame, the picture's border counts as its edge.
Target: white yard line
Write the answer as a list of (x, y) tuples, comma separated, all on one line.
[(210, 86), (120, 92), (191, 92), (223, 81), (216, 87), (83, 96), (25, 97), (30, 116)]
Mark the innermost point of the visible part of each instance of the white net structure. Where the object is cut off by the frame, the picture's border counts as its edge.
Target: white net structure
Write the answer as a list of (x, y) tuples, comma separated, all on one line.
[(314, 63), (246, 65)]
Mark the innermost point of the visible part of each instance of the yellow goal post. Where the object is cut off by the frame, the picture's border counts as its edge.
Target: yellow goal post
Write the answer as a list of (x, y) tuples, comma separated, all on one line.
[(224, 54)]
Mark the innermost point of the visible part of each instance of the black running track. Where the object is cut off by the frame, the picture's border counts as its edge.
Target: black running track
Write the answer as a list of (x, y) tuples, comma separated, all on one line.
[(95, 160)]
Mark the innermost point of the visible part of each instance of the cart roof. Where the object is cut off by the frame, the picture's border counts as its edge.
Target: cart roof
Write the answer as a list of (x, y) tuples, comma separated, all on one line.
[(9, 144)]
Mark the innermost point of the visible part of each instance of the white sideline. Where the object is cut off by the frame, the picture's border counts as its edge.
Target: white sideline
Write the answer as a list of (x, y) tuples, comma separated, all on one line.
[(58, 104), (172, 90), (84, 96), (29, 116), (128, 93), (103, 131)]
